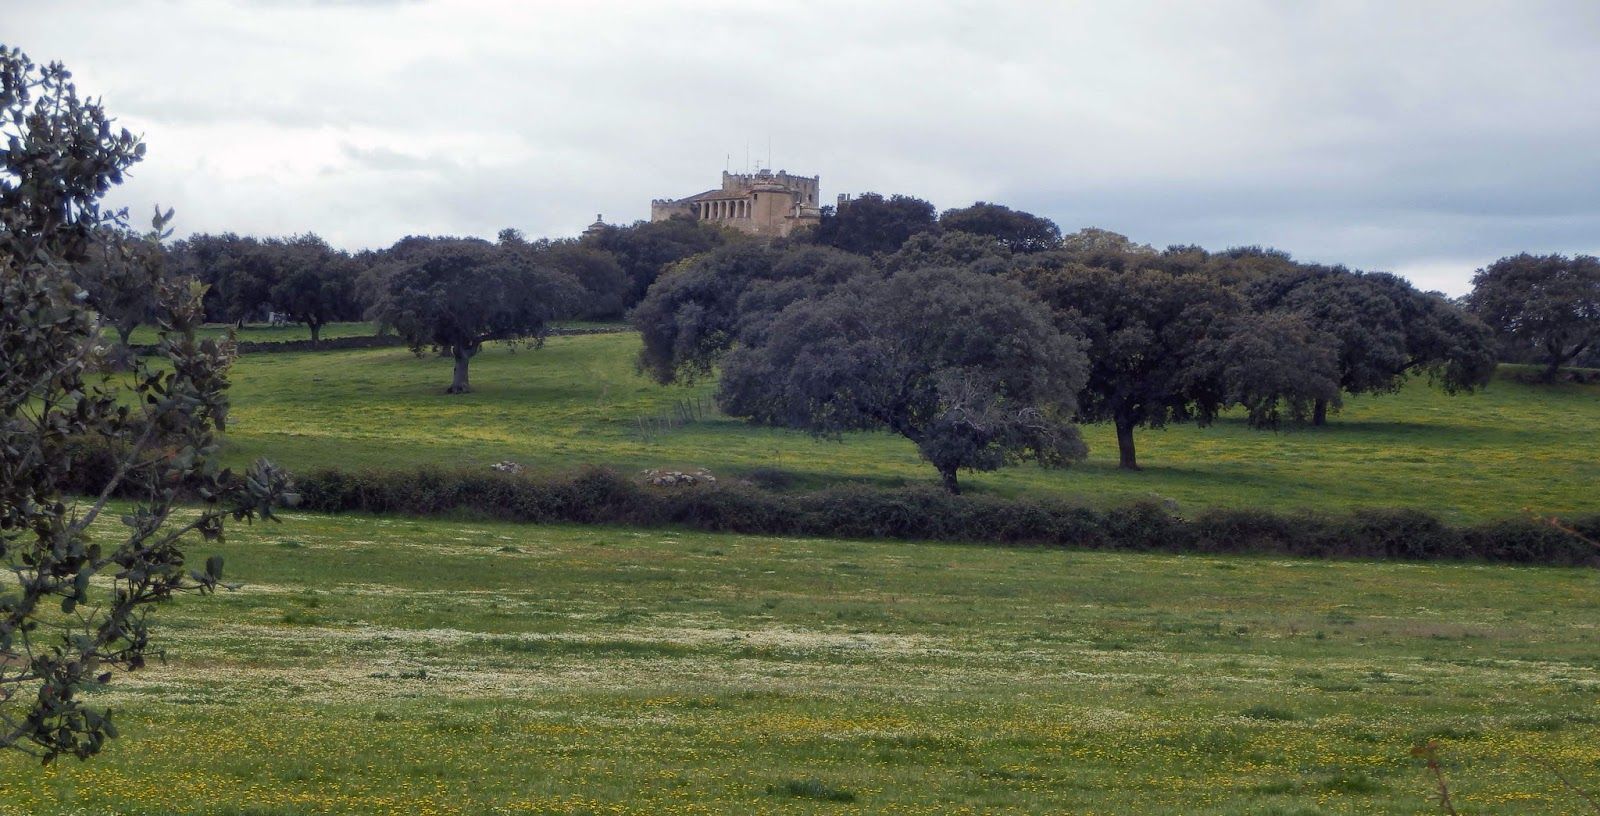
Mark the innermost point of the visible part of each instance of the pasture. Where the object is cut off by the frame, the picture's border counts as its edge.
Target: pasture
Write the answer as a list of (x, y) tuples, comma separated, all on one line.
[(375, 665), (461, 666), (578, 401)]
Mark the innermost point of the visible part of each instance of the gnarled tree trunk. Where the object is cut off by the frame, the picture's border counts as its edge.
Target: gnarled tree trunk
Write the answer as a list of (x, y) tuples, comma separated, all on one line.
[(1128, 460), (458, 383), (947, 477), (1319, 414)]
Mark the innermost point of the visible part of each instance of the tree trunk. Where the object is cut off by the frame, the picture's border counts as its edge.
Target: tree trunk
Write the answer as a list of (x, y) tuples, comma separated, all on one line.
[(122, 357), (458, 385), (948, 478), (1319, 414), (1129, 461), (316, 333), (1554, 367)]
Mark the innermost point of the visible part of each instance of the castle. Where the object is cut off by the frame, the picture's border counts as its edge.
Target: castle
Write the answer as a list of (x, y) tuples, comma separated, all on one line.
[(760, 203)]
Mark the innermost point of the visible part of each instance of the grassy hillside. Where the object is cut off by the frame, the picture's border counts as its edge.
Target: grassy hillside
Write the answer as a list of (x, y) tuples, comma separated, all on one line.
[(437, 667), (577, 401)]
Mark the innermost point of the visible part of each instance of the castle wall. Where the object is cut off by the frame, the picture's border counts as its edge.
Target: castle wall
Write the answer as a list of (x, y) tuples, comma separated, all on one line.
[(762, 203)]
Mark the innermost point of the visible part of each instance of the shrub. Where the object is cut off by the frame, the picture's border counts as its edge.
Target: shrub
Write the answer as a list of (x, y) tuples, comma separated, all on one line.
[(603, 496)]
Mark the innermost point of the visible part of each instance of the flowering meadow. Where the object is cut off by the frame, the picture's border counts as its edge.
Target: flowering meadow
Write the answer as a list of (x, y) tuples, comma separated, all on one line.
[(462, 667)]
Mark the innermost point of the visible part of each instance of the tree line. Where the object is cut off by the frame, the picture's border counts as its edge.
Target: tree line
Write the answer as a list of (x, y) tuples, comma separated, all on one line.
[(986, 336), (302, 279), (982, 334)]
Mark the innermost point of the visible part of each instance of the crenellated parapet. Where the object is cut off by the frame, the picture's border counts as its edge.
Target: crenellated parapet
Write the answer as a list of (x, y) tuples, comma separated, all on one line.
[(761, 203)]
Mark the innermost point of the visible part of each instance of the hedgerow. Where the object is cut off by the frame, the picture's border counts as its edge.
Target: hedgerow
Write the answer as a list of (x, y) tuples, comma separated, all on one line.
[(602, 496)]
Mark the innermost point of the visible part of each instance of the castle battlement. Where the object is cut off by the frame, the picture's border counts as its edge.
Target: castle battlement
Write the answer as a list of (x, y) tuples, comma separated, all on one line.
[(761, 203)]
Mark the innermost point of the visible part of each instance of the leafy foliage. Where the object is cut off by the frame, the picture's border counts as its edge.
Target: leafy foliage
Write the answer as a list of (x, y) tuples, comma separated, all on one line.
[(316, 285), (646, 249), (869, 223), (696, 312), (1015, 230), (454, 295), (62, 632), (1547, 304), (606, 287), (1151, 340), (1094, 240), (116, 278), (1276, 365), (1380, 329), (964, 250), (967, 367), (597, 496)]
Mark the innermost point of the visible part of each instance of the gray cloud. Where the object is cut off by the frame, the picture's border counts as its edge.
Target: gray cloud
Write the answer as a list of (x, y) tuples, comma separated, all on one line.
[(1424, 137)]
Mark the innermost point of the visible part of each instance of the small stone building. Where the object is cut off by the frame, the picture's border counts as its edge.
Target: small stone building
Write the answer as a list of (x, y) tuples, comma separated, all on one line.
[(760, 203)]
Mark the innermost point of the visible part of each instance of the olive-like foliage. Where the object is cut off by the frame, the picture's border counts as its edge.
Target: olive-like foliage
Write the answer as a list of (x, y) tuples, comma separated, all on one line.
[(968, 367), (1546, 307), (74, 596), (702, 307), (454, 294)]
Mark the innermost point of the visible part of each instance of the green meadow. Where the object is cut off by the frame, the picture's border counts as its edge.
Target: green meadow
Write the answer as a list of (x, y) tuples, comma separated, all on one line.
[(579, 401), (460, 666), (388, 665)]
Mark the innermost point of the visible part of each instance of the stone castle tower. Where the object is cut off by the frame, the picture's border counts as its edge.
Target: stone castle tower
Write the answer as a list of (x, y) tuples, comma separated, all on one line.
[(760, 203)]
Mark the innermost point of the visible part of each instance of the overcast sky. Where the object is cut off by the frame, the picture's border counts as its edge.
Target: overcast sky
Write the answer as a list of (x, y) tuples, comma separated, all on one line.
[(1422, 138)]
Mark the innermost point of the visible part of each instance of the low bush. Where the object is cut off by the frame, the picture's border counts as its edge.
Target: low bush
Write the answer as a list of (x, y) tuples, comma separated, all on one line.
[(604, 496), (600, 495)]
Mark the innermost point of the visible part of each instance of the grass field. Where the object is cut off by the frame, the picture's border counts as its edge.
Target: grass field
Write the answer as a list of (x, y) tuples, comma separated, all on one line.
[(458, 667), (577, 401)]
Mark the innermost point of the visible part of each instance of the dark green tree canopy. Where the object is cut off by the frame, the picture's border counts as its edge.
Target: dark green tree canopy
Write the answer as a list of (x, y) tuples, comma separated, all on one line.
[(1547, 306), (645, 249), (1151, 336), (959, 250), (1276, 366), (238, 271), (315, 285), (117, 277), (968, 367), (455, 295), (1015, 230), (1381, 329), (1444, 341), (699, 309), (606, 287), (869, 223), (1360, 319)]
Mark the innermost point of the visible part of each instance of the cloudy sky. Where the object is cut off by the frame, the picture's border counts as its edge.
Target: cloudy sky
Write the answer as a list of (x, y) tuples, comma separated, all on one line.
[(1418, 137)]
